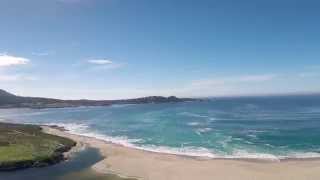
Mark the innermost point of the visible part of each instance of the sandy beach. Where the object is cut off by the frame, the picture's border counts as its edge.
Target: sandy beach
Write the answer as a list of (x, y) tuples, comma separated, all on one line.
[(128, 162)]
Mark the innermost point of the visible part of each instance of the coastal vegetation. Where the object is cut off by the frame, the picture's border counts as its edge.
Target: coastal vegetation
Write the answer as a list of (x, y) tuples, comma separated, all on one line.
[(23, 146), (8, 100)]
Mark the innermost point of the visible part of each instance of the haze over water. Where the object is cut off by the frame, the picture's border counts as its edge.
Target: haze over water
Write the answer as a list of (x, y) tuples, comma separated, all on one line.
[(253, 127)]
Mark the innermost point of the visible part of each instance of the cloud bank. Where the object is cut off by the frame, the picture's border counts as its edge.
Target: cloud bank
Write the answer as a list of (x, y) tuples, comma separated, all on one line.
[(8, 60), (100, 61), (104, 64)]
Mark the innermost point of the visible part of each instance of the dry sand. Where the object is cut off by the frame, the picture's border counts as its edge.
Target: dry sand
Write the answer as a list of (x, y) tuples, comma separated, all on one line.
[(144, 165)]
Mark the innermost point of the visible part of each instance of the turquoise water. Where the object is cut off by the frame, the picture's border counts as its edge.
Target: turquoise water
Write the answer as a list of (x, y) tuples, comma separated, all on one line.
[(255, 127)]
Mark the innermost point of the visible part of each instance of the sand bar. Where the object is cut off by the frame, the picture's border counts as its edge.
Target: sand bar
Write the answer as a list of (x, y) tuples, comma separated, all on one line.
[(144, 165)]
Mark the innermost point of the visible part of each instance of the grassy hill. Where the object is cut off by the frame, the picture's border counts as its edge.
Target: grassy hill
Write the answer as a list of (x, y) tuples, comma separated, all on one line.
[(8, 100), (23, 146)]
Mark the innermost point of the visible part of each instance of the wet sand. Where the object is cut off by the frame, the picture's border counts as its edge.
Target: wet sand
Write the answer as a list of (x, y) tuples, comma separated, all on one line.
[(128, 162)]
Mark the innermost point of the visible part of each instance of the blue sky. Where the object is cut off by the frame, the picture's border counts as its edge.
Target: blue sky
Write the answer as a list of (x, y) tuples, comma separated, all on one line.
[(110, 49)]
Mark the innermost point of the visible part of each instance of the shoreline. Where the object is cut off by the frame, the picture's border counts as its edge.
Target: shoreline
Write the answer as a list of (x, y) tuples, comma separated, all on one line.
[(141, 164), (250, 157)]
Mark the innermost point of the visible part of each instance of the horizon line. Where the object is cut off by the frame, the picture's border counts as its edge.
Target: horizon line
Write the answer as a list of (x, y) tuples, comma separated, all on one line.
[(195, 97)]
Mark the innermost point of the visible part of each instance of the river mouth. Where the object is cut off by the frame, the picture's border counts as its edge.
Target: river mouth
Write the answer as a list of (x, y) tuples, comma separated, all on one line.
[(78, 167)]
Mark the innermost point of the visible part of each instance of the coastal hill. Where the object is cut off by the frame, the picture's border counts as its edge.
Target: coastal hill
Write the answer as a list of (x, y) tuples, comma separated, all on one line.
[(24, 146), (8, 100)]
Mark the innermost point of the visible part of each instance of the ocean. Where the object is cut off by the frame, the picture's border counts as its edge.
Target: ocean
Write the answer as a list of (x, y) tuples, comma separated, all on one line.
[(273, 128)]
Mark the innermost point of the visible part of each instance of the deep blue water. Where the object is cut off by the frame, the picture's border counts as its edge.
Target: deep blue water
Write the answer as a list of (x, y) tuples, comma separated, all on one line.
[(247, 127)]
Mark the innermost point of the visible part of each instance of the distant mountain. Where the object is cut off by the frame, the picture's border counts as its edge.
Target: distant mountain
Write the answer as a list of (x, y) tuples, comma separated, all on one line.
[(8, 100), (4, 93), (152, 99)]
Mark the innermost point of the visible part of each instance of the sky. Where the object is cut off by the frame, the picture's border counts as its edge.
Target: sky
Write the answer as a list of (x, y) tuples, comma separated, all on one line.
[(112, 49)]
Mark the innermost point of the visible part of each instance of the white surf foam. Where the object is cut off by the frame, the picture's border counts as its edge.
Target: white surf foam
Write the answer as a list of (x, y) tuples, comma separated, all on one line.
[(183, 151), (200, 131), (243, 154), (193, 123), (203, 130), (122, 105), (302, 155), (201, 152), (84, 130), (71, 127), (193, 115)]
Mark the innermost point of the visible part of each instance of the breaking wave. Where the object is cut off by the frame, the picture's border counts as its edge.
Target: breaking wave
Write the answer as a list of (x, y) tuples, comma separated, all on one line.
[(199, 152)]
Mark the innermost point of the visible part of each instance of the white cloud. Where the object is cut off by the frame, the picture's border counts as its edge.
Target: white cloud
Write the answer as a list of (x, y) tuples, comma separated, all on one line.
[(104, 64), (8, 77), (100, 61), (8, 60)]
